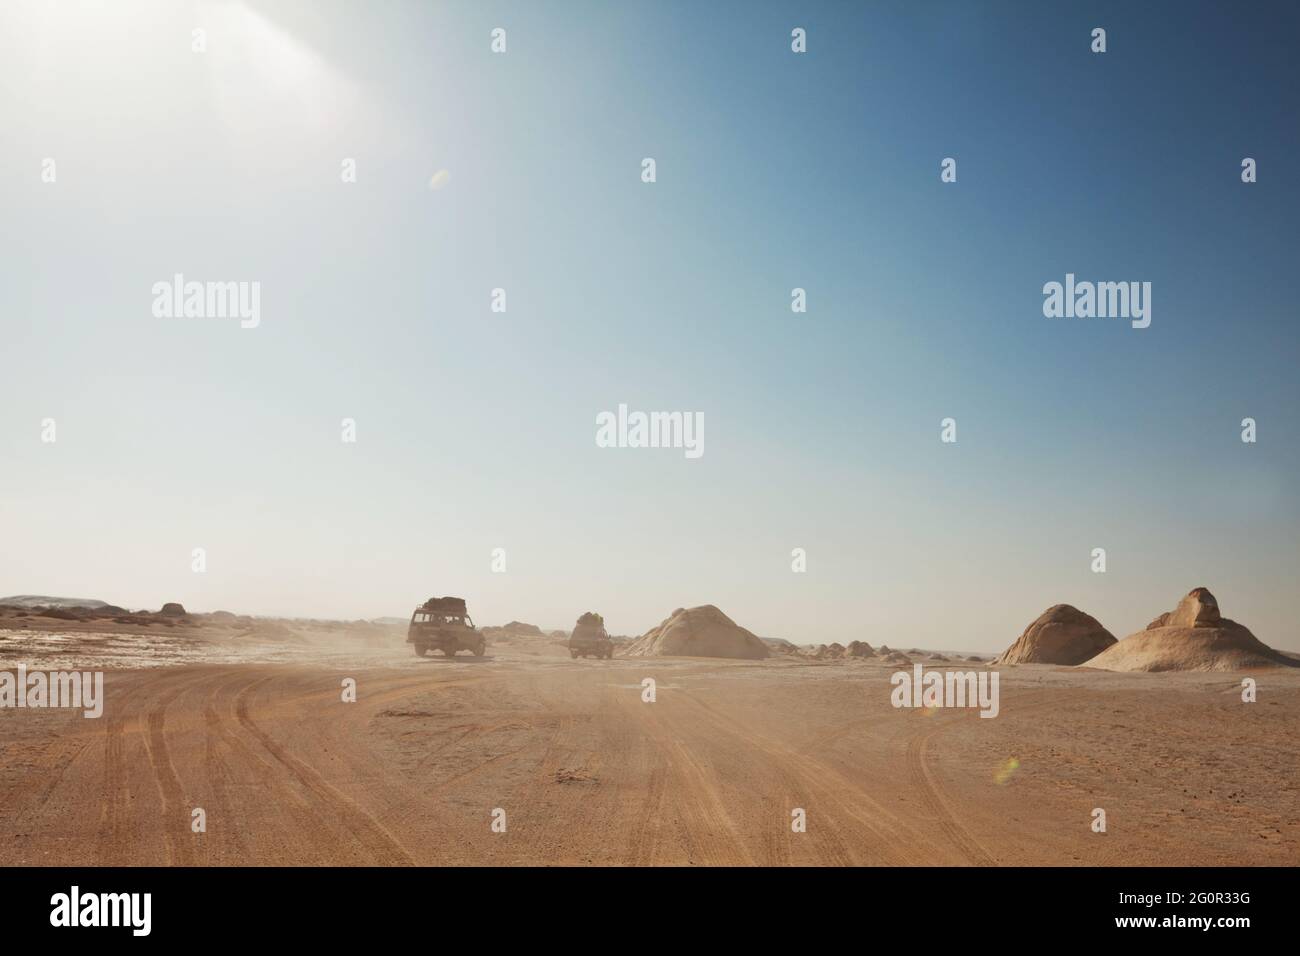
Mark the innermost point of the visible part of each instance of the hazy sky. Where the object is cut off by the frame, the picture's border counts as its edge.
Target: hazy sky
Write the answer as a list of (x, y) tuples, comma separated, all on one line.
[(475, 430)]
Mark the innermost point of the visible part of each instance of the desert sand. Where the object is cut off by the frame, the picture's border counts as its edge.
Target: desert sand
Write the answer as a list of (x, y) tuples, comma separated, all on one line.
[(255, 732)]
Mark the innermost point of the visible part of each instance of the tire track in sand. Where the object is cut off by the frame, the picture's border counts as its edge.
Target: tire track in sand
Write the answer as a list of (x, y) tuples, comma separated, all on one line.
[(932, 799), (175, 822), (687, 797), (932, 795), (893, 840), (116, 794), (368, 831), (277, 790)]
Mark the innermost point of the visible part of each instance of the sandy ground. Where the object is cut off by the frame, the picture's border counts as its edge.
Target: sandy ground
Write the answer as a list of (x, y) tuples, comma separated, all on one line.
[(587, 773)]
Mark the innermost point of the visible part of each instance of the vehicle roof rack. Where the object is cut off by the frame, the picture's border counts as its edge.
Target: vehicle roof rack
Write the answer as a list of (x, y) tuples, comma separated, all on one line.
[(445, 605)]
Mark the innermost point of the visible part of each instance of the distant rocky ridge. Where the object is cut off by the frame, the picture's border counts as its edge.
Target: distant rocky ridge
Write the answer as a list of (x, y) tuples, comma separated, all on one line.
[(513, 631), (76, 615), (42, 600)]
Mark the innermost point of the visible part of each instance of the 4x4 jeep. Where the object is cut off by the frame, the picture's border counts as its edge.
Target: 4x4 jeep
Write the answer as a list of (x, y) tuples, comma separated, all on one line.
[(589, 638), (442, 624)]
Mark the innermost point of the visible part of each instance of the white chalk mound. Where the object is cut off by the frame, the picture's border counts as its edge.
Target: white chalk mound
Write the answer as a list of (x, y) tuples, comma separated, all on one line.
[(699, 632), (1061, 635), (1192, 637)]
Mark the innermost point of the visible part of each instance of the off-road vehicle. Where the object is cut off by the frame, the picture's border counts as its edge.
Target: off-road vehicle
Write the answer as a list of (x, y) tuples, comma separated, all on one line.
[(589, 638), (443, 624)]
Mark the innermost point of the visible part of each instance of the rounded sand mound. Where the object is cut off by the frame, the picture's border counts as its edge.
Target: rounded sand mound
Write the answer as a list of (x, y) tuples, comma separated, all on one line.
[(699, 632), (1061, 635), (1191, 637)]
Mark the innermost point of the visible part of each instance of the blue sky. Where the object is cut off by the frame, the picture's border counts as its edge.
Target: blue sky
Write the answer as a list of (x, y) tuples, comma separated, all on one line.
[(775, 170)]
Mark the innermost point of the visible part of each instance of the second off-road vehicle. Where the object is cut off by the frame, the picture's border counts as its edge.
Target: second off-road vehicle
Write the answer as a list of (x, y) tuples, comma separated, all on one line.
[(589, 638), (443, 624)]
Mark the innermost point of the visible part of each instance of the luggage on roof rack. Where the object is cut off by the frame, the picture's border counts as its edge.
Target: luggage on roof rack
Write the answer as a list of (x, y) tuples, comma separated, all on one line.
[(446, 605)]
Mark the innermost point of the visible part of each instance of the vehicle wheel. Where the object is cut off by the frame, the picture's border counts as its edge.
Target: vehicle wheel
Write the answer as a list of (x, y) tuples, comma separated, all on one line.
[(573, 654), (450, 651), (420, 649), (479, 648)]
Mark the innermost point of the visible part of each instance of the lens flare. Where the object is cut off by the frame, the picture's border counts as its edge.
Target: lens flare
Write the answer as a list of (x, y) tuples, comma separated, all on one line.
[(1006, 771)]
